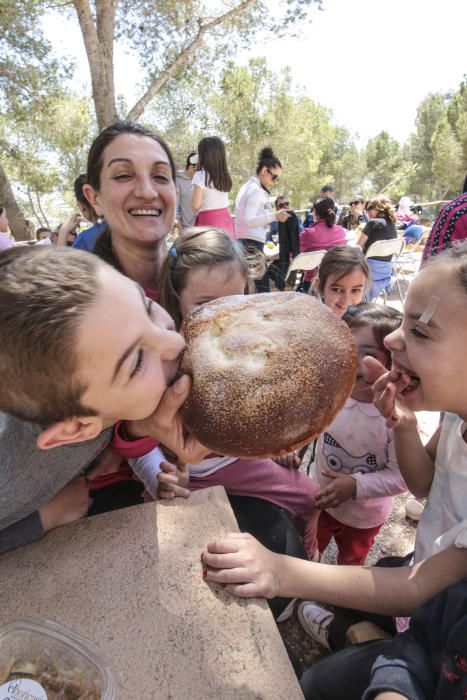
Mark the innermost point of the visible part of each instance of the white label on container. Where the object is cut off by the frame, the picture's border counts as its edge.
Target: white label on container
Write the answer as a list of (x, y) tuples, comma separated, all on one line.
[(22, 689)]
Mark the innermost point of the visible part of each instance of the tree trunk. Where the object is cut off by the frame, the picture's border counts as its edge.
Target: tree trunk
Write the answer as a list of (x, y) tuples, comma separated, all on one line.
[(33, 208), (19, 226), (98, 40), (41, 210)]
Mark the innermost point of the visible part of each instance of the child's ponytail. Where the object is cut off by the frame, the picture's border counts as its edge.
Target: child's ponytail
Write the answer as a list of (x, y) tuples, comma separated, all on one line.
[(325, 209)]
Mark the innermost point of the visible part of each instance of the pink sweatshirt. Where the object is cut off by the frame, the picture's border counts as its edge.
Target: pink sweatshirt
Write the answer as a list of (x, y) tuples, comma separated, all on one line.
[(320, 237)]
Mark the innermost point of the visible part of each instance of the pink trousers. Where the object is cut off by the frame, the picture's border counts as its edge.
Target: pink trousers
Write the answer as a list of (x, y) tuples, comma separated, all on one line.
[(288, 489)]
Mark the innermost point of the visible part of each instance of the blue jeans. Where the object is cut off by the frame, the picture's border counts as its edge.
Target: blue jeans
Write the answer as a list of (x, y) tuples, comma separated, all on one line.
[(252, 246), (344, 675)]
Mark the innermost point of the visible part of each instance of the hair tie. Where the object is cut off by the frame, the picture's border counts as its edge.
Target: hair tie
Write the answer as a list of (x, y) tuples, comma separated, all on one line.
[(173, 252)]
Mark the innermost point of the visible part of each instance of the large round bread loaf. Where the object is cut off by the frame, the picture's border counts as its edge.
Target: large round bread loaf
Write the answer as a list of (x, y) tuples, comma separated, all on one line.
[(270, 372)]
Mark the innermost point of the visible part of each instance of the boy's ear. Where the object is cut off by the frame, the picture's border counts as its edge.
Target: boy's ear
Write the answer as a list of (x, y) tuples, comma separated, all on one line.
[(93, 198), (69, 431)]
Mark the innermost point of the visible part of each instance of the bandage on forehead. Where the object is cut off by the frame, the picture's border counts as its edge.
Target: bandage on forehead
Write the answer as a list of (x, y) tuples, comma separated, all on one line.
[(430, 309)]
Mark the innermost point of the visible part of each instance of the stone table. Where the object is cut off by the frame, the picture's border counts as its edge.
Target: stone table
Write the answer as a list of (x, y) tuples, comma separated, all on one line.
[(131, 581)]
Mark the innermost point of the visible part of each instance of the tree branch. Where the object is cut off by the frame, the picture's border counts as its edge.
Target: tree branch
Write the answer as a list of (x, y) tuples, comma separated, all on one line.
[(159, 81)]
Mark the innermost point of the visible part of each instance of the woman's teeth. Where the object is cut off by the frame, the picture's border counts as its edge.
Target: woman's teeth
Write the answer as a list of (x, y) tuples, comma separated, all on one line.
[(145, 212)]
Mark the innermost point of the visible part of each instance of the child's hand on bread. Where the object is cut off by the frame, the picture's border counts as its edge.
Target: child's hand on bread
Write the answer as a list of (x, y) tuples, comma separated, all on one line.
[(291, 460)]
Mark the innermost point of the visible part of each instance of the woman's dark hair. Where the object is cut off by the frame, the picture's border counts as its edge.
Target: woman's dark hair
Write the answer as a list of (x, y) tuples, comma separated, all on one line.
[(267, 159), (382, 320), (324, 208), (2, 209), (106, 136), (188, 160), (211, 159), (103, 245)]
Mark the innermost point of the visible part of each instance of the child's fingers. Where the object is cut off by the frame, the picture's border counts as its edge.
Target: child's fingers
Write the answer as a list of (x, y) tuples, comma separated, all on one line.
[(373, 369), (175, 491), (243, 590), (168, 479), (327, 500), (329, 474), (165, 494), (386, 400), (231, 542), (381, 383), (168, 468)]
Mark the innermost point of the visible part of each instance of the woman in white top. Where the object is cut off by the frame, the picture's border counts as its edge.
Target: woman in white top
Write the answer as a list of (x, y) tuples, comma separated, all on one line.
[(211, 186), (253, 209)]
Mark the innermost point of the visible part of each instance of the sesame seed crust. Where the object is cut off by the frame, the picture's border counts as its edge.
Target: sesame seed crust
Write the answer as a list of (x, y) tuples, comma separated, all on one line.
[(270, 372)]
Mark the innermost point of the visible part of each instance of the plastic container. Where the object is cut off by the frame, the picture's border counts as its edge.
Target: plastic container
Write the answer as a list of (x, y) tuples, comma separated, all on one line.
[(42, 660)]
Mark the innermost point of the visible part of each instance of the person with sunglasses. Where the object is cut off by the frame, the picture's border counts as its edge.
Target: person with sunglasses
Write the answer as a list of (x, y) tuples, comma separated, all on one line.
[(356, 216), (253, 209)]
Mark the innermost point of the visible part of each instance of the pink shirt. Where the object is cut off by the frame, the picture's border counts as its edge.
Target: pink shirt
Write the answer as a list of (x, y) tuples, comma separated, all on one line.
[(320, 237), (358, 444)]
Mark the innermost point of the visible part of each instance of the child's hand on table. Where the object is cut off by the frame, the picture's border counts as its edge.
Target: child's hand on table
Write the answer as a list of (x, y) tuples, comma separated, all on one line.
[(173, 480), (241, 563), (341, 488)]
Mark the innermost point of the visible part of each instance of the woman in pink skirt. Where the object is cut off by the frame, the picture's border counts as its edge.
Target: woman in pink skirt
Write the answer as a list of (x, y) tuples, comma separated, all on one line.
[(211, 186)]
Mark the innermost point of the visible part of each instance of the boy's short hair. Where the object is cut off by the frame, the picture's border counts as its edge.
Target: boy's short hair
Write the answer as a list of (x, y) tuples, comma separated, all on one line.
[(44, 295)]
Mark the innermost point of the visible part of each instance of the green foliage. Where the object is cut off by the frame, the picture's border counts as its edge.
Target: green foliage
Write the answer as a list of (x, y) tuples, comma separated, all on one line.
[(447, 159), (388, 167)]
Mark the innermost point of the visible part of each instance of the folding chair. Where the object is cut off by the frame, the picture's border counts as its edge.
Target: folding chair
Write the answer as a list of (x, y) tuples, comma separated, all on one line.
[(392, 246), (305, 261)]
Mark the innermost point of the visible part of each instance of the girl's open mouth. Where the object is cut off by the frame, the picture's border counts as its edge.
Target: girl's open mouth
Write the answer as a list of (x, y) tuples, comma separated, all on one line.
[(414, 382), (412, 385)]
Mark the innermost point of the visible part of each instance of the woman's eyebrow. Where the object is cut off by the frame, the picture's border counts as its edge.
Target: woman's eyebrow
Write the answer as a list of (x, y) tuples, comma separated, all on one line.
[(128, 160), (118, 160)]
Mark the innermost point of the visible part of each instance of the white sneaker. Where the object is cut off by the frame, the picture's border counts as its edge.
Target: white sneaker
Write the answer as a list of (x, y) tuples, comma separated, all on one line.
[(414, 508), (315, 620), (287, 611)]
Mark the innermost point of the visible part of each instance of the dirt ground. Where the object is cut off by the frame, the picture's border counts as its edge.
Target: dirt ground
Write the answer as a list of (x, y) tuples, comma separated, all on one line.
[(395, 537)]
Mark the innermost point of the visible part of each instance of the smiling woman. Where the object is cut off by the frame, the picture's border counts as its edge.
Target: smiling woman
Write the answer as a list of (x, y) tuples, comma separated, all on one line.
[(131, 183)]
